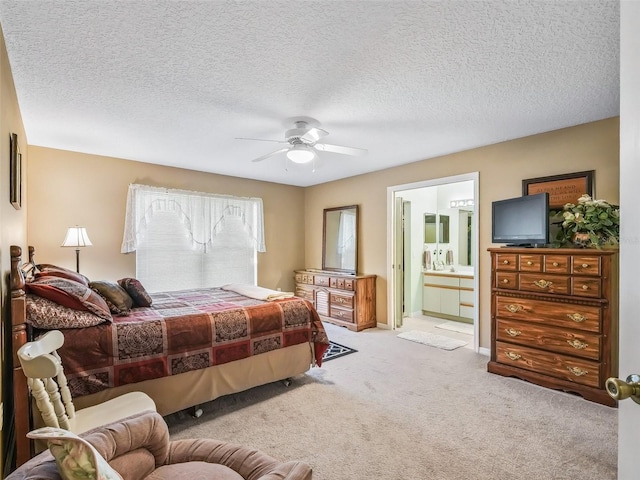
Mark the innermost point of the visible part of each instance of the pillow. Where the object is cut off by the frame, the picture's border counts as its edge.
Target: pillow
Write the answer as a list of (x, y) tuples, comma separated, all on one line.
[(48, 315), (47, 269), (137, 292), (76, 458), (70, 294), (117, 298)]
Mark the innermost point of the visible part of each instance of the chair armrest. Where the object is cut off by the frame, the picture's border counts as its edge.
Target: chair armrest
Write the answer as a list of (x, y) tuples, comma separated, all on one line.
[(250, 463)]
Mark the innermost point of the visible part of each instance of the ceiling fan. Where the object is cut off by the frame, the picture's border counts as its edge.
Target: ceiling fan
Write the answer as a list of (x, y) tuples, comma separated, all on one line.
[(303, 143)]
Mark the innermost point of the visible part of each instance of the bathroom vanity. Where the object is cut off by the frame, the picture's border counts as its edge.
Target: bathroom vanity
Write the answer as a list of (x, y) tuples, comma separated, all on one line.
[(448, 294)]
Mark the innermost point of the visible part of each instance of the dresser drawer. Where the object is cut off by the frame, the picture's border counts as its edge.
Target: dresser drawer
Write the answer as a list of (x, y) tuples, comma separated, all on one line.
[(585, 265), (341, 300), (557, 264), (321, 281), (531, 282), (565, 367), (508, 280), (579, 317), (305, 293), (531, 263), (341, 314), (561, 340), (506, 261), (586, 287)]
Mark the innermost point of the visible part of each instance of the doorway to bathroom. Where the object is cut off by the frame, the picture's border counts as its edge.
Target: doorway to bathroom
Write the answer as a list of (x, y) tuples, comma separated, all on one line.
[(432, 257)]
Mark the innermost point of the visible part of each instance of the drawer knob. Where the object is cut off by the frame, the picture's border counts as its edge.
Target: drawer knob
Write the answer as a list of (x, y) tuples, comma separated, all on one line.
[(513, 356), (577, 371), (506, 280), (529, 262), (585, 287), (576, 317), (542, 283), (555, 264), (585, 265), (513, 308), (506, 262), (512, 332), (577, 344)]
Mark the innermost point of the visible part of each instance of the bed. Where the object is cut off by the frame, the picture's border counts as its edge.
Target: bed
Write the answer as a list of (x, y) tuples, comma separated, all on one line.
[(183, 349)]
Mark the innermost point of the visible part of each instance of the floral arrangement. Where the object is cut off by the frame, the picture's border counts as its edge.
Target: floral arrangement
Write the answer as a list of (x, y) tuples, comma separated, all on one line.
[(589, 223)]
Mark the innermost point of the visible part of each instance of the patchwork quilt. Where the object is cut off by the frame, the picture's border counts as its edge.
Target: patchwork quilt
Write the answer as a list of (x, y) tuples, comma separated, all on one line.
[(183, 331)]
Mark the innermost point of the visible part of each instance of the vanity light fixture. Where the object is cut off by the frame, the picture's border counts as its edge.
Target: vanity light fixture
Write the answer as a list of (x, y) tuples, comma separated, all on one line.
[(461, 203)]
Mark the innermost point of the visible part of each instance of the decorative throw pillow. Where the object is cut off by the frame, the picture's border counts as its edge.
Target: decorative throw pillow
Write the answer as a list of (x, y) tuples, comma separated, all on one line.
[(76, 458), (136, 291), (70, 294), (48, 315), (117, 298), (46, 269)]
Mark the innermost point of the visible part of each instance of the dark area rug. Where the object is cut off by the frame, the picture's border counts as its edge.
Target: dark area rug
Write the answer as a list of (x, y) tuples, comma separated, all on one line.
[(336, 350)]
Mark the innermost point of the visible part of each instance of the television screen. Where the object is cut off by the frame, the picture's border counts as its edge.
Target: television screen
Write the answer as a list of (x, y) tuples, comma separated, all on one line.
[(521, 221)]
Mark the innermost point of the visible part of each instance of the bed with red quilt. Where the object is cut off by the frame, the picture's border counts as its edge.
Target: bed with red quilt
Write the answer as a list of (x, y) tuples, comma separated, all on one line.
[(188, 347)]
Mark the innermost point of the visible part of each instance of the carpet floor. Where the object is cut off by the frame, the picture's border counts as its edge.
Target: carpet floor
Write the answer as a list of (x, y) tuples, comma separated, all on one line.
[(397, 410)]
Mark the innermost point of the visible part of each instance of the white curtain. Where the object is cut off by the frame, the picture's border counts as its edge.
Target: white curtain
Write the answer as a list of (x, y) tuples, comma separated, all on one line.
[(189, 239)]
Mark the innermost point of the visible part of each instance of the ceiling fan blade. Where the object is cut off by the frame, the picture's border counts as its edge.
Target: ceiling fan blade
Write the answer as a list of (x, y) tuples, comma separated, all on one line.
[(261, 140), (313, 135), (264, 157), (325, 147)]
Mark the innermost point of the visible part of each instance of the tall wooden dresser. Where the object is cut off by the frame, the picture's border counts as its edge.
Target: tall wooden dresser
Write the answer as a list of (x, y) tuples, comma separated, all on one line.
[(554, 318), (345, 300)]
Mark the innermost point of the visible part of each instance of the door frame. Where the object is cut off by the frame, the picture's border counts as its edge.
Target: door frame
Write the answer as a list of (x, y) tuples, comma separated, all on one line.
[(392, 245)]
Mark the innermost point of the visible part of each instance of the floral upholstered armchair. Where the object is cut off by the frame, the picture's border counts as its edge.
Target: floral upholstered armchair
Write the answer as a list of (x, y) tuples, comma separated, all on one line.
[(138, 448)]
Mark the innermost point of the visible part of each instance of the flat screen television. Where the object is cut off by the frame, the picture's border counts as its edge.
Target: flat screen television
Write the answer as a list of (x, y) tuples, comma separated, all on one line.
[(521, 221)]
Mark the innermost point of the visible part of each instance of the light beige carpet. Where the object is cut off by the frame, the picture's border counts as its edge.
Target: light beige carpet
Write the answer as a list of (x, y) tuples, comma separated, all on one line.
[(399, 411)]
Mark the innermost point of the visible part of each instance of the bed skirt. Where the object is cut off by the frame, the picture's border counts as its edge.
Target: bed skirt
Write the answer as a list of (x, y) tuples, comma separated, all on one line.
[(178, 392)]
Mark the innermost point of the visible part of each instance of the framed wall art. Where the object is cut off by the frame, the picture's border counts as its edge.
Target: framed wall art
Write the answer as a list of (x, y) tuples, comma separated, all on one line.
[(15, 173), (566, 188)]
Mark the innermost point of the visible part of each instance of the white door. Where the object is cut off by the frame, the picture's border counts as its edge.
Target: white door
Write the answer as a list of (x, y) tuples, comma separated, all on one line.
[(629, 411), (398, 277)]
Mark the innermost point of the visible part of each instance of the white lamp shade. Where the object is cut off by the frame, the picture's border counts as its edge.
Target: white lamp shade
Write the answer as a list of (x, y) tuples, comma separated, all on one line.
[(300, 153), (77, 237)]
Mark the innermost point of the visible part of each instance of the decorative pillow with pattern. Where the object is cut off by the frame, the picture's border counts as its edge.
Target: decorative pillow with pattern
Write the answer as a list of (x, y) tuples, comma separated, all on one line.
[(46, 269), (117, 298), (76, 458), (136, 291), (70, 294), (48, 315)]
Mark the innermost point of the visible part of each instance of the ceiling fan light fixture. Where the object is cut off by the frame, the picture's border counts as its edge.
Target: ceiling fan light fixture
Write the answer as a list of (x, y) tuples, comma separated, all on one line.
[(300, 153)]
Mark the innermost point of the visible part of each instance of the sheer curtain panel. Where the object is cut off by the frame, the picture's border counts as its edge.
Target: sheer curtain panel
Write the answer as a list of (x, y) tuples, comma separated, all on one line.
[(186, 239)]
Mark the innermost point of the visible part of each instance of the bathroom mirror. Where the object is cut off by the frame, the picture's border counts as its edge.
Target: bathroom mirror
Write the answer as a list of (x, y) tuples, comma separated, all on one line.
[(436, 228), (340, 239)]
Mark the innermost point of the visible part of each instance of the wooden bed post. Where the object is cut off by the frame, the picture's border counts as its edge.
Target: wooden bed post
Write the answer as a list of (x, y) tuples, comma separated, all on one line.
[(18, 338)]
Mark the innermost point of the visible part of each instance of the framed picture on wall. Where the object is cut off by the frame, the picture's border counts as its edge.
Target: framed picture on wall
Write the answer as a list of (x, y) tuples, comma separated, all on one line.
[(566, 188), (15, 173)]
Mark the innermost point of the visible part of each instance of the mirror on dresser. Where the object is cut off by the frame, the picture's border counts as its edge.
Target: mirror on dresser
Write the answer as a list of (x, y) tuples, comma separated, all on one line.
[(340, 239)]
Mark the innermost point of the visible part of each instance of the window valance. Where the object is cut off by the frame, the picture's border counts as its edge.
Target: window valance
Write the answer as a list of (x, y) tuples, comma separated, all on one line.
[(201, 213)]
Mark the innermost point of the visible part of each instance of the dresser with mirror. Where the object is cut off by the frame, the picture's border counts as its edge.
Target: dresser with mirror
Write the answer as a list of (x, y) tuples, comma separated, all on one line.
[(339, 294)]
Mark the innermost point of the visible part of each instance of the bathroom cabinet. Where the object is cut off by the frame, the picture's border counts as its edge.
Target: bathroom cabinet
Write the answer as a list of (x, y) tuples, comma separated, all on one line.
[(447, 295)]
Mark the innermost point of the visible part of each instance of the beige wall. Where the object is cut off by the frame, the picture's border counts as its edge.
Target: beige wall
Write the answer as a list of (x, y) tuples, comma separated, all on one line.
[(501, 167), (13, 229), (68, 188)]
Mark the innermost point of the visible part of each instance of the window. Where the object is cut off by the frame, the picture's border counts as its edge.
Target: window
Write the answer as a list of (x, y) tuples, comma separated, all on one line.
[(186, 239)]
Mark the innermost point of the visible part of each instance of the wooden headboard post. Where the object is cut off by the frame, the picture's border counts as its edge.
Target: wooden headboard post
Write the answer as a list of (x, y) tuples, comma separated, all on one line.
[(21, 399)]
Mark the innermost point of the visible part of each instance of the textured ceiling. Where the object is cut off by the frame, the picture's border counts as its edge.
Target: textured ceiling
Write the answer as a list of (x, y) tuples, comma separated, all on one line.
[(175, 82)]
